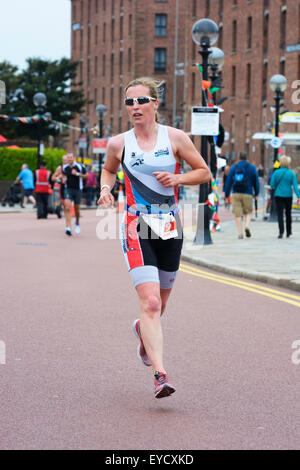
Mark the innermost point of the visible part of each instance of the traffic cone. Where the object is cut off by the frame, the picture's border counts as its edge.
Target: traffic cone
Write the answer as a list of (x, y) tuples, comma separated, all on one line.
[(121, 200), (72, 211)]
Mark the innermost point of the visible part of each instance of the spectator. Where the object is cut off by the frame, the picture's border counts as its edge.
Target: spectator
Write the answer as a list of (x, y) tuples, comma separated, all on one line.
[(42, 183), (26, 176), (242, 180), (283, 182), (91, 184)]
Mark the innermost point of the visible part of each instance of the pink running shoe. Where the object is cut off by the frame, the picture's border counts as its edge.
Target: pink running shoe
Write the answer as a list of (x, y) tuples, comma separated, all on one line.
[(162, 386), (141, 351)]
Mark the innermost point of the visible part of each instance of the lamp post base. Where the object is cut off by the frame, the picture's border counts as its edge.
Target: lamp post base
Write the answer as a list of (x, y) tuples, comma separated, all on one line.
[(203, 236)]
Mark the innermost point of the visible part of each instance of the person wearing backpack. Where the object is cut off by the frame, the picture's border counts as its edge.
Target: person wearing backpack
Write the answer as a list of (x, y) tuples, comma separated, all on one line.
[(283, 182), (244, 183)]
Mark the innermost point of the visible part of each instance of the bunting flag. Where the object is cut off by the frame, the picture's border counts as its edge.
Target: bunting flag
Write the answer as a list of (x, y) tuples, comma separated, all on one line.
[(36, 118)]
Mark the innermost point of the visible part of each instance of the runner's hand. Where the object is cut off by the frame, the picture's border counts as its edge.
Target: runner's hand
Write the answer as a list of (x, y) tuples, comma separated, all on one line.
[(169, 180), (106, 199)]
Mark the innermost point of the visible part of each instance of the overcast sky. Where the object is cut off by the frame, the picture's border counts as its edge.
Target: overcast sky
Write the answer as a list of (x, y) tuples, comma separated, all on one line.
[(34, 28)]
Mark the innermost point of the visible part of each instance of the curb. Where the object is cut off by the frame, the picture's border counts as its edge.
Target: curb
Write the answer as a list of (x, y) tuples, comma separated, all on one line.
[(265, 278)]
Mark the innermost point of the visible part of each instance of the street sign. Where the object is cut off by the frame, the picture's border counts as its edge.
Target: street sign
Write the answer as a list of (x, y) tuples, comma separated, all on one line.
[(290, 117), (82, 142), (205, 121), (99, 145), (276, 142)]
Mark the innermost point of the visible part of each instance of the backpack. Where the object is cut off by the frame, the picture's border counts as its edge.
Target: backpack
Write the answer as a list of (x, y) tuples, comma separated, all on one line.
[(240, 180)]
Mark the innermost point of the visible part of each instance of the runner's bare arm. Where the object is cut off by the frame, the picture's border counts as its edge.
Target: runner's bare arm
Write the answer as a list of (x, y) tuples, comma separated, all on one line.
[(110, 169), (184, 149), (57, 174)]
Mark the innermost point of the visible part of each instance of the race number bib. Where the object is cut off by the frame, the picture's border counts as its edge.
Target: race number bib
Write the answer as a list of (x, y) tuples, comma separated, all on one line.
[(164, 225)]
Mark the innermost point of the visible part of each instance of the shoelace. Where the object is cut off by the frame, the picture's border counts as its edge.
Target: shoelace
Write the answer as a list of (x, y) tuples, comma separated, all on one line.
[(161, 378)]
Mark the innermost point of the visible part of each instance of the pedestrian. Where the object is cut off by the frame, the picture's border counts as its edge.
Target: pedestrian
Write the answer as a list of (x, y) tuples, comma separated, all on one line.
[(42, 183), (283, 182), (74, 172), (60, 178), (26, 177), (151, 155), (226, 171), (91, 184), (242, 180)]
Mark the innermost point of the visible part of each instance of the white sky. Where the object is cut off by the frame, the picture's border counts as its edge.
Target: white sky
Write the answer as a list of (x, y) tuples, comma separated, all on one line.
[(34, 28)]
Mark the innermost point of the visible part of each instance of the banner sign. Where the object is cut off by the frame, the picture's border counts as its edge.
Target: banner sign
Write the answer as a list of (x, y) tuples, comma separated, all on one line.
[(99, 145)]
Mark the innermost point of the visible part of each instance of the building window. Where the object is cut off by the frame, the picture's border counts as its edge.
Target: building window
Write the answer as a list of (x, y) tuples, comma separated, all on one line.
[(265, 82), (266, 33), (121, 28), (283, 28), (129, 59), (193, 86), (249, 33), (233, 80), (130, 25), (234, 35), (121, 62), (194, 8), (104, 5), (160, 59), (96, 66), (207, 8), (248, 80), (112, 30), (103, 65), (96, 34), (104, 32), (95, 95), (160, 25), (220, 41), (221, 7), (96, 7), (112, 66)]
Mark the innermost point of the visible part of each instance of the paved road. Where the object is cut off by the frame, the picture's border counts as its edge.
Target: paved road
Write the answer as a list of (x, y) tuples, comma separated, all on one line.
[(72, 379)]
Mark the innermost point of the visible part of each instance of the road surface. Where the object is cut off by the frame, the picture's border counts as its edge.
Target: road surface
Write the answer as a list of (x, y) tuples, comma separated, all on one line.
[(69, 375)]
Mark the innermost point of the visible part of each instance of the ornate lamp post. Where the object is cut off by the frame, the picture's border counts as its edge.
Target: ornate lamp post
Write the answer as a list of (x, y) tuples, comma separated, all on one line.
[(100, 111), (40, 101), (278, 84), (205, 33)]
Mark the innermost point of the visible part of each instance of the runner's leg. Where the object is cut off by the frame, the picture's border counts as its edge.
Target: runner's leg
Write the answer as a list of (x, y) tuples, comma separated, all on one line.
[(151, 331)]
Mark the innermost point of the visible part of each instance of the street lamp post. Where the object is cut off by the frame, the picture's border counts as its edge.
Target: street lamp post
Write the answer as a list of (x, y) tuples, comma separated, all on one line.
[(100, 110), (39, 100), (215, 61), (205, 33), (278, 84)]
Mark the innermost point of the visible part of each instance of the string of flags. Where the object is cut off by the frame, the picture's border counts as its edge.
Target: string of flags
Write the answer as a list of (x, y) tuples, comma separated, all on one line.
[(38, 117)]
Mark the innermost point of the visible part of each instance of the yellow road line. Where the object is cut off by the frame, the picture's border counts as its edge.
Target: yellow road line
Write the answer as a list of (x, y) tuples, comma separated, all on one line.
[(231, 282), (238, 281)]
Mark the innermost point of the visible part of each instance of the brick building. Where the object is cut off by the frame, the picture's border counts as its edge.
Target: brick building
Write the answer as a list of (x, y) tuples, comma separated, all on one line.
[(118, 40)]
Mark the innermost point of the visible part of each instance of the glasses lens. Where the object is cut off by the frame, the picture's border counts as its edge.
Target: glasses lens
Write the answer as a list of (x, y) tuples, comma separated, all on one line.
[(129, 101), (143, 100)]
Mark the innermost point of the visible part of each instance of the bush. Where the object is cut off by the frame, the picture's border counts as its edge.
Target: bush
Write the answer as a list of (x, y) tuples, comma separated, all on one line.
[(11, 160)]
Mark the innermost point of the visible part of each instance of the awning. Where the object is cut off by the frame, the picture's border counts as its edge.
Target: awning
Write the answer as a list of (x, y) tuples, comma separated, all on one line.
[(2, 138), (289, 138)]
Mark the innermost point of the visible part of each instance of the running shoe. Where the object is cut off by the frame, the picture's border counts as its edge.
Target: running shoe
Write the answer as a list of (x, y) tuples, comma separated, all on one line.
[(141, 351), (247, 232), (68, 231), (77, 229), (162, 386)]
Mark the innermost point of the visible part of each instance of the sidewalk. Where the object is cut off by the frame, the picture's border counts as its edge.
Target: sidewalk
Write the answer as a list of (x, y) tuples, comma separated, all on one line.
[(263, 257)]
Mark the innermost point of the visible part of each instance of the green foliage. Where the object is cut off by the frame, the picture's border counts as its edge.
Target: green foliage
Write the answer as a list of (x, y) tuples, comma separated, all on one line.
[(53, 78), (11, 160)]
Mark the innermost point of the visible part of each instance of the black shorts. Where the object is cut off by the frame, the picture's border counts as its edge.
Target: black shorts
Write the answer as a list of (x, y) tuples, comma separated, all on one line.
[(150, 258), (73, 194)]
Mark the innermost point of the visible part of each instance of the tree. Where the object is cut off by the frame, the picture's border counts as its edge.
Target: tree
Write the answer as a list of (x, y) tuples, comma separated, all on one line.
[(53, 78)]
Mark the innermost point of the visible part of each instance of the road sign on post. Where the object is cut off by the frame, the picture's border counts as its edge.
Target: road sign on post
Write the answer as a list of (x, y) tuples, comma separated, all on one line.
[(205, 121), (99, 145), (82, 142), (276, 142)]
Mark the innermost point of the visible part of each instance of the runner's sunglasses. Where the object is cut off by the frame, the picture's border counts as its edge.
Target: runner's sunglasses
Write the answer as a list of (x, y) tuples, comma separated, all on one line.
[(139, 100)]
